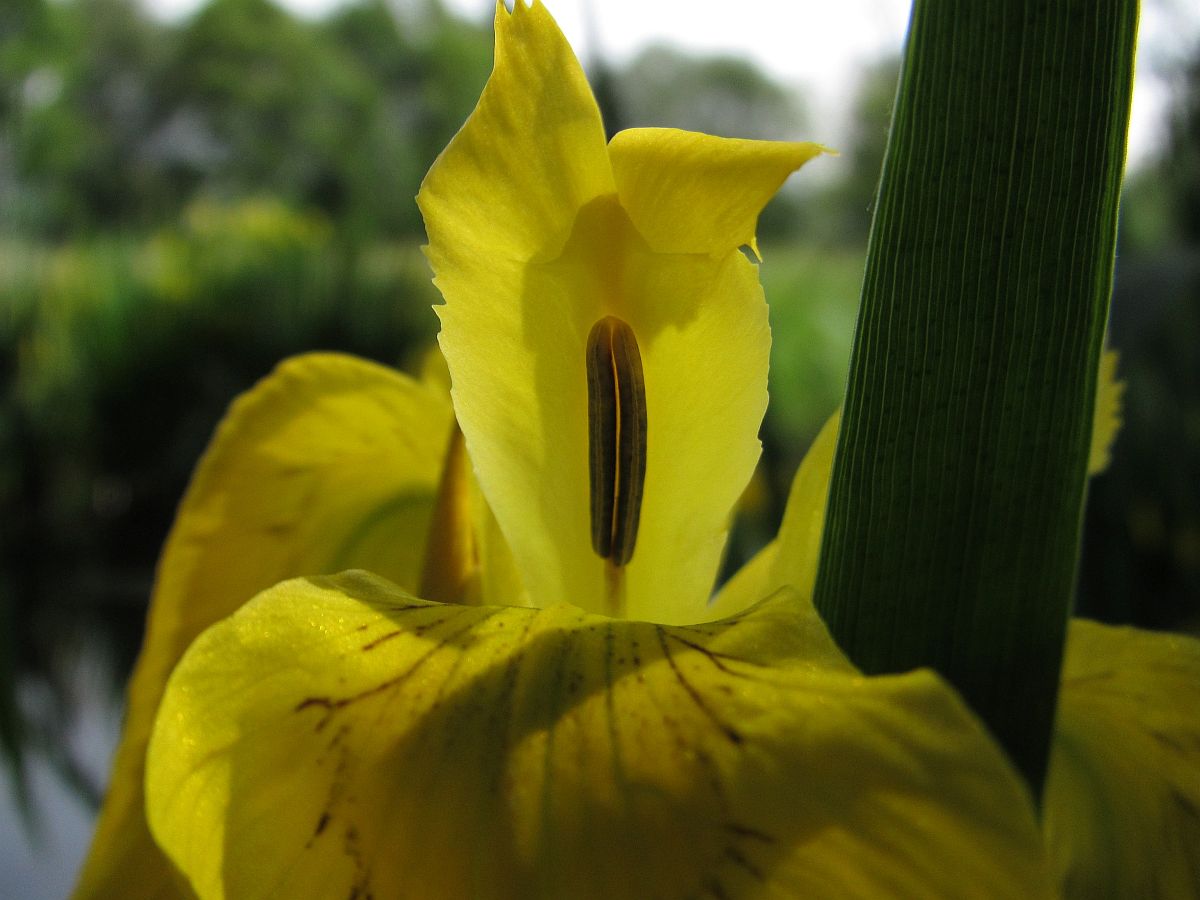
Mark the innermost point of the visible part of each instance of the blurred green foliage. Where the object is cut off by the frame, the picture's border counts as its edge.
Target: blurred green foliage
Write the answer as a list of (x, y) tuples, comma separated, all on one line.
[(115, 120), (729, 96), (121, 353)]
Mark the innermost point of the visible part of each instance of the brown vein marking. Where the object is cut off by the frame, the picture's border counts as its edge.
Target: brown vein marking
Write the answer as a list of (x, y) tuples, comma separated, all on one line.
[(330, 705), (1174, 742), (419, 630), (1186, 805), (729, 621), (500, 715), (610, 703), (715, 888), (1193, 812), (713, 656), (736, 857), (360, 889), (702, 630), (745, 831), (714, 776), (408, 607), (382, 639), (321, 824), (731, 733), (415, 631), (574, 683), (554, 698)]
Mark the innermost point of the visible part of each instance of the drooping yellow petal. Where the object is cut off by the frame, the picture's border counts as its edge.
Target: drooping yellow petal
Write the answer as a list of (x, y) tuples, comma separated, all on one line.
[(1122, 804), (336, 737), (695, 193), (328, 462), (1107, 421)]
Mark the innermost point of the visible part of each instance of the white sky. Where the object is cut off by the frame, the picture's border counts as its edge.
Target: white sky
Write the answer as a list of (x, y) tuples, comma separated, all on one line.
[(814, 46)]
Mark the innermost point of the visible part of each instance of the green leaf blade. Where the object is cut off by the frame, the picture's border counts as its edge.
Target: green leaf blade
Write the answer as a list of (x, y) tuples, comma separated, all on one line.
[(954, 515)]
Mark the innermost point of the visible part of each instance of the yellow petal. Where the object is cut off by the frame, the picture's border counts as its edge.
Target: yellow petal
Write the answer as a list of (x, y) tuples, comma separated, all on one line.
[(1122, 805), (450, 572), (531, 247), (499, 581), (467, 559), (520, 391), (702, 325), (336, 737), (696, 193), (328, 462), (1107, 422), (508, 190), (804, 516), (508, 186), (747, 586), (791, 559)]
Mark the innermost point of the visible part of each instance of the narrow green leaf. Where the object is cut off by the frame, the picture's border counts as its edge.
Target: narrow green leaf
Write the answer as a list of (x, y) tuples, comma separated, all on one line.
[(954, 513)]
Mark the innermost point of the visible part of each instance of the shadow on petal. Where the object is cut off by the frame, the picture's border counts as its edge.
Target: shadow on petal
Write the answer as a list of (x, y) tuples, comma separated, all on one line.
[(337, 737)]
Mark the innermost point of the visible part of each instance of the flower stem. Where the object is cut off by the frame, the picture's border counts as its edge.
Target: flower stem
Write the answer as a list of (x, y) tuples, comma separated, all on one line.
[(954, 514)]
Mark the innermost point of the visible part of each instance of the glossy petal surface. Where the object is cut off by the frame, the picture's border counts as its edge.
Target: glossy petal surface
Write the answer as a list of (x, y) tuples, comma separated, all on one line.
[(328, 462), (337, 737)]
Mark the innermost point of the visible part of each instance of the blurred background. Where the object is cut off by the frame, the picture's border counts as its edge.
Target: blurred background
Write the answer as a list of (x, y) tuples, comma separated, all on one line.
[(190, 192)]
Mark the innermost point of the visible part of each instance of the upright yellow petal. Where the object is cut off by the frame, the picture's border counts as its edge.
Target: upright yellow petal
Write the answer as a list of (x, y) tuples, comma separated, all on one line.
[(337, 737), (505, 192), (328, 462), (529, 157), (1122, 805), (696, 193), (532, 242)]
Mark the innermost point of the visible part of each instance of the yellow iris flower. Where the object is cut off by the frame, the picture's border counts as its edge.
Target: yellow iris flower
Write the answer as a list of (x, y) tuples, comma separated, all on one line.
[(579, 726)]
